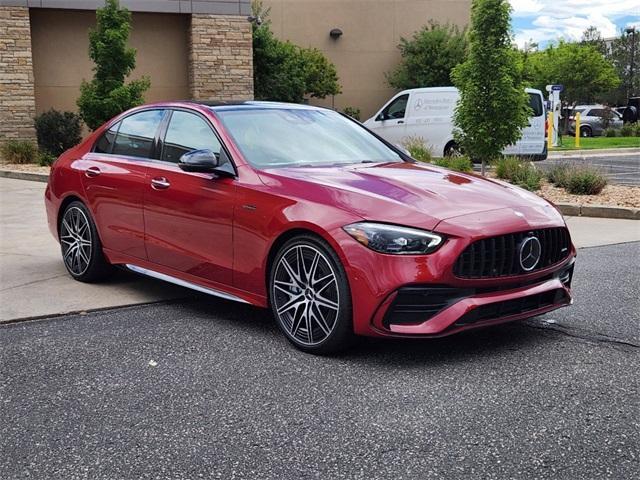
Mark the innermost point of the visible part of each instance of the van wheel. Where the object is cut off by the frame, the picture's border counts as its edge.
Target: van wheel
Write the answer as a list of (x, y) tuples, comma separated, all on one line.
[(452, 150)]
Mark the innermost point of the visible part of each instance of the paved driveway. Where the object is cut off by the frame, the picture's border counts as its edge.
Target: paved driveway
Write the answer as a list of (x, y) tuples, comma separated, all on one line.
[(210, 389)]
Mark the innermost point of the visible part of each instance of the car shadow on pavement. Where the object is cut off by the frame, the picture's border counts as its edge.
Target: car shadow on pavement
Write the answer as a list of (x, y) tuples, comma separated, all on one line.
[(466, 346)]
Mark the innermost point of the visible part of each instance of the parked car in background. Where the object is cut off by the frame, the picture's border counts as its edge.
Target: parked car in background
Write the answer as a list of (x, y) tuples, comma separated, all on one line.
[(594, 120), (428, 113), (302, 210)]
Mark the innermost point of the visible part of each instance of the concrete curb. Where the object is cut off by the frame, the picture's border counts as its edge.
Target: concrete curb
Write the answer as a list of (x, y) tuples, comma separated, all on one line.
[(600, 211), (18, 175)]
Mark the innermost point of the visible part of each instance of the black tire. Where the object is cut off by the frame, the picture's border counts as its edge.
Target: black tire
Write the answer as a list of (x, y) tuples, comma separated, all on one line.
[(586, 132), (284, 291), (452, 150), (83, 259)]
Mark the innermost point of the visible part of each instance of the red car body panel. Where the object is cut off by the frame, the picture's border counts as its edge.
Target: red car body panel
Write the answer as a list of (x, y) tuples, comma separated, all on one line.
[(221, 233)]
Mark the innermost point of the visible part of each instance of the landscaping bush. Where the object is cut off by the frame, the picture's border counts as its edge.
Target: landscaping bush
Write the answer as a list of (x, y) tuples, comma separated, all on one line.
[(585, 180), (417, 149), (558, 175), (610, 132), (636, 129), (459, 164), (522, 174), (626, 130), (19, 151), (353, 112), (506, 167), (57, 131), (46, 159)]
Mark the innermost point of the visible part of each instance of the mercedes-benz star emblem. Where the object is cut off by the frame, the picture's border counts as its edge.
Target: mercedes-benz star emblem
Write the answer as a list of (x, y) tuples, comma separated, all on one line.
[(530, 253)]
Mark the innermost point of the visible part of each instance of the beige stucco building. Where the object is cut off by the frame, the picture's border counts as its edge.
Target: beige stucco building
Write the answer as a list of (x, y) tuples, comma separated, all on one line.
[(200, 48), (368, 46)]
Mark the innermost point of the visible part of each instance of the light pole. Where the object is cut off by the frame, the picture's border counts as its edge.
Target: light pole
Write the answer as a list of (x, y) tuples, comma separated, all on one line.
[(631, 31)]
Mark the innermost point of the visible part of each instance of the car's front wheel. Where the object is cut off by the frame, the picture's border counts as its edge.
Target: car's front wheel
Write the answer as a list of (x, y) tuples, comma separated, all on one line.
[(310, 297), (81, 248)]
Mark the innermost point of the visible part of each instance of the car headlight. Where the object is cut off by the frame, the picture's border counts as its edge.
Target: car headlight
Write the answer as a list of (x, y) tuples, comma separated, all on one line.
[(393, 239)]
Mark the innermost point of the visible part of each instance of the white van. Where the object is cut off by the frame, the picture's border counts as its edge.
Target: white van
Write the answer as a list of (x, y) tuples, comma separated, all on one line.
[(428, 113)]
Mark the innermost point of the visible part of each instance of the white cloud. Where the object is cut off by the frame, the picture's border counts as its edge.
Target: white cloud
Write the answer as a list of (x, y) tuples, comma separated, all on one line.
[(549, 20)]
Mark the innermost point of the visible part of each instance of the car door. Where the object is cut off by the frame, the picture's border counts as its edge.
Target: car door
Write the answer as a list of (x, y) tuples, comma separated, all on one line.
[(532, 140), (188, 215), (390, 123), (114, 178)]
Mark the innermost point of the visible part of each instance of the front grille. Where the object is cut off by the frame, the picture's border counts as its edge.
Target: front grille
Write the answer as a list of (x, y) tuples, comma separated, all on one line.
[(516, 306), (500, 256)]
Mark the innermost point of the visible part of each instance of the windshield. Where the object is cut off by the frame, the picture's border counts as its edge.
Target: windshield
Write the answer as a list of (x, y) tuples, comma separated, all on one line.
[(290, 137)]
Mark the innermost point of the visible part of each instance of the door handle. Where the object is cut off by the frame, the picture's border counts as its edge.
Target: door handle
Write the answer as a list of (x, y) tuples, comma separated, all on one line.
[(92, 172), (160, 183), (400, 121)]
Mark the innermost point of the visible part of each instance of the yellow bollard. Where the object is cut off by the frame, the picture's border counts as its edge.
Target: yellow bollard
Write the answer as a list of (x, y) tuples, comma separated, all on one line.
[(577, 118), (550, 131)]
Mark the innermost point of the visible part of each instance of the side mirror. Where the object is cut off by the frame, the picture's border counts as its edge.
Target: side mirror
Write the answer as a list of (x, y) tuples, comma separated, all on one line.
[(206, 161), (381, 117)]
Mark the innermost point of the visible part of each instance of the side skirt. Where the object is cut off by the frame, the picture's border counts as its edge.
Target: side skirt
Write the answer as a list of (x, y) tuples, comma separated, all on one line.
[(184, 283)]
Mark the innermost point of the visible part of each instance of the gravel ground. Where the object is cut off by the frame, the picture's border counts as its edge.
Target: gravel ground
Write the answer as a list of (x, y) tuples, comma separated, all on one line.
[(612, 195), (211, 389), (24, 167)]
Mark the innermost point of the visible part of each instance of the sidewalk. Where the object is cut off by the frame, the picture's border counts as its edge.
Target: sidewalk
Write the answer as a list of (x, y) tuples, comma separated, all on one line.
[(595, 152), (33, 281)]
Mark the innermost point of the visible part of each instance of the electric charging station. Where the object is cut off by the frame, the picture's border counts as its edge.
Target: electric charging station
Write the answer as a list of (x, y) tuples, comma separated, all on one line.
[(555, 108)]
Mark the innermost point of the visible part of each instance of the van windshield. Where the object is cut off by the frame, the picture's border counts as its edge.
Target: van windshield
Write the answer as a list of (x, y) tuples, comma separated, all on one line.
[(291, 137), (535, 102)]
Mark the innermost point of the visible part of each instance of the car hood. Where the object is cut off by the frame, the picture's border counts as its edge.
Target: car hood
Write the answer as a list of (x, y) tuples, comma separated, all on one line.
[(403, 193)]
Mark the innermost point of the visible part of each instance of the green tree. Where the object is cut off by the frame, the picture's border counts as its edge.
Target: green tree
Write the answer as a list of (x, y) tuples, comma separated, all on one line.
[(592, 37), (429, 57), (493, 106), (620, 55), (585, 73), (285, 72), (107, 95)]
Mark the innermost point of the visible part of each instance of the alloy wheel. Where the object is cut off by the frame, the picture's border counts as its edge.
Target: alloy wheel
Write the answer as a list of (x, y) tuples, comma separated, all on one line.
[(75, 238), (305, 294)]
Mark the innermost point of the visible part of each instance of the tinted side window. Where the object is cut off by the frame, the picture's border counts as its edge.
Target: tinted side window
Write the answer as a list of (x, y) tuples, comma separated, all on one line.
[(135, 137), (596, 112), (105, 143), (187, 132), (535, 102), (397, 108)]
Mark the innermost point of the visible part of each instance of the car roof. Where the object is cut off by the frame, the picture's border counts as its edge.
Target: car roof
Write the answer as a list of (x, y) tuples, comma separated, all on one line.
[(251, 105)]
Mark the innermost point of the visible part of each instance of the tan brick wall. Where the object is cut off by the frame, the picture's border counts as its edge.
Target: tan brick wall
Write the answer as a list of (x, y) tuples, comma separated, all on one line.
[(220, 58), (17, 101)]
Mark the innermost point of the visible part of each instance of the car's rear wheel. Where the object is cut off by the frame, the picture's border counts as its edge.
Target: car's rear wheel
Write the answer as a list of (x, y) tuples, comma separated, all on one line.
[(586, 132), (310, 296), (81, 248)]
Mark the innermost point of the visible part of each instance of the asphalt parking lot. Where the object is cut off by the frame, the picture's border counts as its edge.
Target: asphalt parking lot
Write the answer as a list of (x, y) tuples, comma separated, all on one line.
[(207, 388)]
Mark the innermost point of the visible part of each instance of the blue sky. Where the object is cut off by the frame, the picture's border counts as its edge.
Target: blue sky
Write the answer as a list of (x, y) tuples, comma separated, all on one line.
[(545, 21)]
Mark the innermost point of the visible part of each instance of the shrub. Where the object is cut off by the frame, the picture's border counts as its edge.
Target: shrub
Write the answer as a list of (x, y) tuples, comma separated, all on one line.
[(506, 167), (417, 149), (46, 159), (626, 130), (19, 151), (585, 180), (459, 164), (57, 131), (610, 132), (353, 112), (558, 174), (636, 129), (522, 174)]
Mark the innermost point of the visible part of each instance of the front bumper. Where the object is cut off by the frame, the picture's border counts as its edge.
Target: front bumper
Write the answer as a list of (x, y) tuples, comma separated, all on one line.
[(380, 283)]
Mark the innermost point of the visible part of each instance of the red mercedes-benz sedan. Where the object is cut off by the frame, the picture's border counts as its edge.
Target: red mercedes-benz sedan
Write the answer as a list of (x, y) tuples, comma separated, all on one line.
[(305, 211)]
